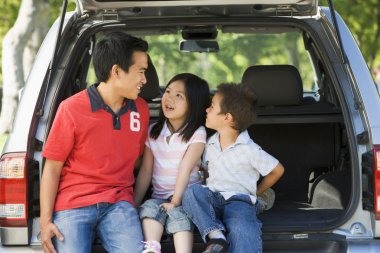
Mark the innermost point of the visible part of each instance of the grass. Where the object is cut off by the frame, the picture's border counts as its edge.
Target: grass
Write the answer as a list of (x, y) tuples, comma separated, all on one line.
[(3, 138)]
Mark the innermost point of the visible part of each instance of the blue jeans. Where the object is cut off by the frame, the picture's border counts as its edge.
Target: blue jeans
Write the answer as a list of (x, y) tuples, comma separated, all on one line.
[(117, 226), (175, 220), (236, 216)]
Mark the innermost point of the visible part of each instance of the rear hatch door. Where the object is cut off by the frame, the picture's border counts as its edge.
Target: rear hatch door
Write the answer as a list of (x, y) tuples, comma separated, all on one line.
[(198, 7)]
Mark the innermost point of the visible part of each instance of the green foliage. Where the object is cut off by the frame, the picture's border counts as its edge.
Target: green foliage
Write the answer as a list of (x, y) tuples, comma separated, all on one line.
[(9, 11), (56, 6), (363, 19), (238, 52)]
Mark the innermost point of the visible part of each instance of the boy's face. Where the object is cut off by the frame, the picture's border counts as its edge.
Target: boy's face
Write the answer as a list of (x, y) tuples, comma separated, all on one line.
[(130, 83), (214, 118)]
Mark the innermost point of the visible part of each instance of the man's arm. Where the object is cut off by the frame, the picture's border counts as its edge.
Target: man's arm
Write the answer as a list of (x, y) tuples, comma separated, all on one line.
[(144, 177), (270, 179), (48, 193)]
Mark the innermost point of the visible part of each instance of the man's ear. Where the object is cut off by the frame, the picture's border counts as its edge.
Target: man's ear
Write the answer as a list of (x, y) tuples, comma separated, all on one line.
[(115, 70)]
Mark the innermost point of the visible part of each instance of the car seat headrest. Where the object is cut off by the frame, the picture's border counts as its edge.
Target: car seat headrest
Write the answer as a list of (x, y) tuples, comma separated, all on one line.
[(152, 87), (274, 85)]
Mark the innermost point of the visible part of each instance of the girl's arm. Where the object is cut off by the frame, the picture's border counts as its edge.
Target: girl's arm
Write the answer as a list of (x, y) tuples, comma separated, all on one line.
[(191, 157), (144, 177)]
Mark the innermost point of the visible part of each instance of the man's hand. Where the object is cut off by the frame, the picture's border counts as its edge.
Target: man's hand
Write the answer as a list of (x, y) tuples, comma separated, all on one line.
[(48, 231)]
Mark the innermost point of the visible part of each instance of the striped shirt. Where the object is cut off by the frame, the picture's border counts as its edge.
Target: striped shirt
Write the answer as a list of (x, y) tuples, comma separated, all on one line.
[(236, 169), (167, 158)]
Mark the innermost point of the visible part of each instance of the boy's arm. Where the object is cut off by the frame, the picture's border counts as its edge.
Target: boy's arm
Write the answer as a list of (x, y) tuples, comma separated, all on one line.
[(270, 179), (144, 177), (48, 193), (191, 157)]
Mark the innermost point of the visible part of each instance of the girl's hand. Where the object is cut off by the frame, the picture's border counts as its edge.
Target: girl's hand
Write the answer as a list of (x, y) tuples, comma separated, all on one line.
[(168, 206)]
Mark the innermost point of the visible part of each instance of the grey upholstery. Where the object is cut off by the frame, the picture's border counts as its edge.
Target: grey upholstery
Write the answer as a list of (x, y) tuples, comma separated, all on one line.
[(274, 85), (303, 137), (152, 87), (331, 190)]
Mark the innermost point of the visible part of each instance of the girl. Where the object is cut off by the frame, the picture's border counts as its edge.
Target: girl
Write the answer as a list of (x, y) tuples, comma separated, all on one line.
[(172, 151)]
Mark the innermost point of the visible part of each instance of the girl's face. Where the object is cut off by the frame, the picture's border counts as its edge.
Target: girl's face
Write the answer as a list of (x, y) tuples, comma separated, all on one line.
[(174, 103)]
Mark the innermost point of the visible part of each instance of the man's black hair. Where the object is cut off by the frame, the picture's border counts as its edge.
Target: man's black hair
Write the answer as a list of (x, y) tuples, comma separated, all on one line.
[(115, 48)]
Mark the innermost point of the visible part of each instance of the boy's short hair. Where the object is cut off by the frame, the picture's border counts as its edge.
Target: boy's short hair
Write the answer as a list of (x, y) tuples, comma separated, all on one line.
[(115, 48), (240, 101)]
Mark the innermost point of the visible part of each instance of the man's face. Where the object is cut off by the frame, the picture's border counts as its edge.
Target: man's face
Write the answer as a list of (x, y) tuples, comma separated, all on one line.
[(129, 83), (214, 118)]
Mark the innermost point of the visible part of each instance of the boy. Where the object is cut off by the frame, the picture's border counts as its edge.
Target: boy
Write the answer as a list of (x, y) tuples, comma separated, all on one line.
[(228, 202), (96, 137)]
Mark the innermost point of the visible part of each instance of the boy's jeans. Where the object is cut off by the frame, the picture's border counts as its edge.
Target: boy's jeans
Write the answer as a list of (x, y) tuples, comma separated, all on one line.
[(237, 216), (117, 225)]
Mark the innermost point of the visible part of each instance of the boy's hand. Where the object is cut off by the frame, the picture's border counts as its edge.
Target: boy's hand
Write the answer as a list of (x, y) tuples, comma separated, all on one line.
[(48, 231), (270, 179)]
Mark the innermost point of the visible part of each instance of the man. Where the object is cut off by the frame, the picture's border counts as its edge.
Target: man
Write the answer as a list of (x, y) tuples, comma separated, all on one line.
[(96, 137)]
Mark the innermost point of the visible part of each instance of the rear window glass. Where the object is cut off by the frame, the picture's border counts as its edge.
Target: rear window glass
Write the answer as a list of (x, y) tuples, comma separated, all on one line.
[(236, 53)]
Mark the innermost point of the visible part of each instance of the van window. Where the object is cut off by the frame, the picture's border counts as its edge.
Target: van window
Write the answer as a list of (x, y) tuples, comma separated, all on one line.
[(236, 53)]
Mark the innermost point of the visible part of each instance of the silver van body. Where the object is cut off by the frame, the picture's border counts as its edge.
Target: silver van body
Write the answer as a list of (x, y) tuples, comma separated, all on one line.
[(344, 119)]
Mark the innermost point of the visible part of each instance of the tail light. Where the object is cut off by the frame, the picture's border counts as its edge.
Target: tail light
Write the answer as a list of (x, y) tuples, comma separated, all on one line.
[(376, 153), (13, 190)]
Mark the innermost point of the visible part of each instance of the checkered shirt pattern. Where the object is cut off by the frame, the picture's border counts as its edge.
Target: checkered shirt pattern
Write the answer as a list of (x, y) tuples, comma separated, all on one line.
[(236, 169)]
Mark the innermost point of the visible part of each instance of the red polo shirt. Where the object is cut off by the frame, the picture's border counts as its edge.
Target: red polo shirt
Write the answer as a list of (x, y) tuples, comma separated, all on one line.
[(99, 148)]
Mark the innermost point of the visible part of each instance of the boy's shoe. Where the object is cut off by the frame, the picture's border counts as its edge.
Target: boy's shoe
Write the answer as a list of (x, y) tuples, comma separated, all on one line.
[(152, 247), (266, 199), (217, 246)]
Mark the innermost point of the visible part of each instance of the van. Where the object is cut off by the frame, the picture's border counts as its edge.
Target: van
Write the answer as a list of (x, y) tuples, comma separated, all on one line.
[(318, 109)]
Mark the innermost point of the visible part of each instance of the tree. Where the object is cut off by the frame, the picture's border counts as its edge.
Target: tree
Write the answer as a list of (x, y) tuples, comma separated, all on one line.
[(9, 10), (21, 41), (363, 19), (33, 18)]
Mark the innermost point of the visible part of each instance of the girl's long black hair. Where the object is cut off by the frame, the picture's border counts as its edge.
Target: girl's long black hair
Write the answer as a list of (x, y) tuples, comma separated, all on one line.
[(197, 95)]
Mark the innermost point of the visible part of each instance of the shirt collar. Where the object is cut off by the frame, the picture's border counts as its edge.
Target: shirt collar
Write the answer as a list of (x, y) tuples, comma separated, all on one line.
[(97, 103), (243, 138), (165, 130)]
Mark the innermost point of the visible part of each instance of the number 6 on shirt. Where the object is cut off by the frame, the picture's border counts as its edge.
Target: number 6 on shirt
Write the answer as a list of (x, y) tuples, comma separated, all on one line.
[(135, 121)]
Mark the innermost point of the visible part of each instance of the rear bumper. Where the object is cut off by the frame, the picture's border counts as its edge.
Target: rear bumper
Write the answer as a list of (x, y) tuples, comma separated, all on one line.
[(360, 246), (25, 249), (357, 246), (14, 236)]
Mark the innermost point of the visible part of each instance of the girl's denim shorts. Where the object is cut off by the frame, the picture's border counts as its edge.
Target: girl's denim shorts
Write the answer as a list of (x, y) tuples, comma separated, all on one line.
[(173, 221)]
